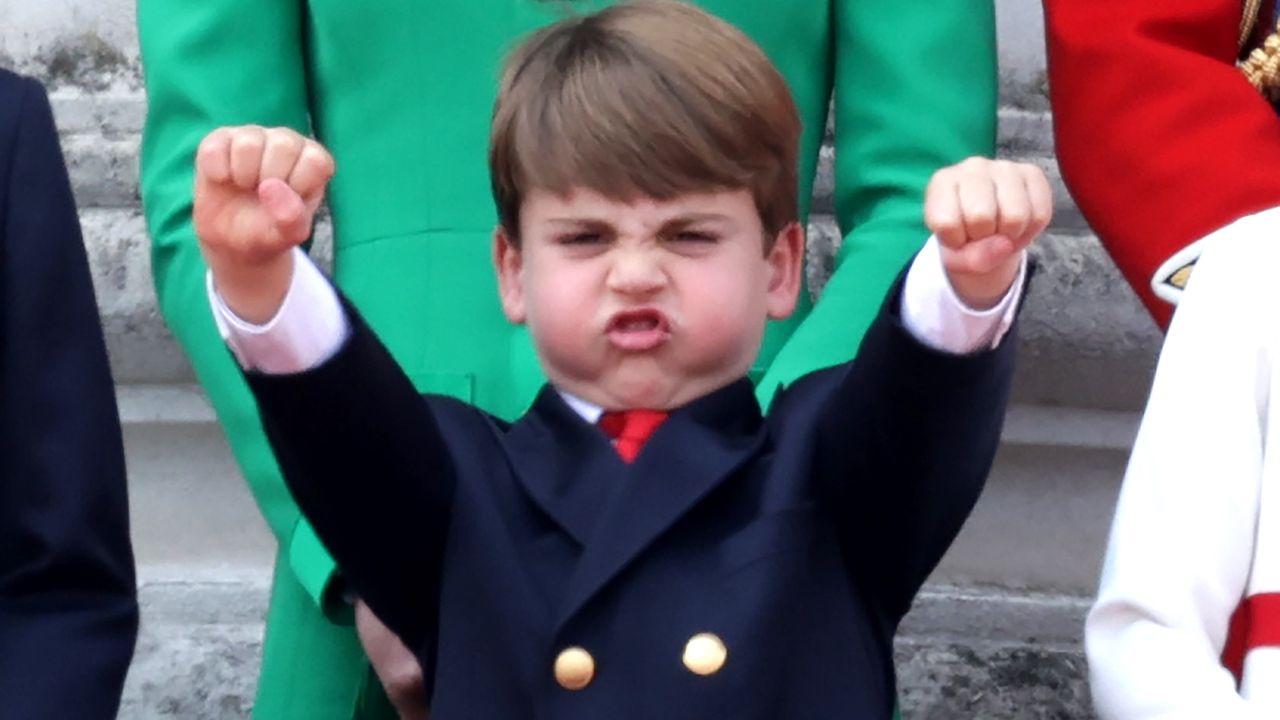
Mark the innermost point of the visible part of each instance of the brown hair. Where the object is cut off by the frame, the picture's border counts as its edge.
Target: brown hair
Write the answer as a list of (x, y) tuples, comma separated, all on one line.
[(649, 98)]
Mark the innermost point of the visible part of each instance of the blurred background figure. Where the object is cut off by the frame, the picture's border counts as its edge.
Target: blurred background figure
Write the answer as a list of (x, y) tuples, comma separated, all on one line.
[(68, 608)]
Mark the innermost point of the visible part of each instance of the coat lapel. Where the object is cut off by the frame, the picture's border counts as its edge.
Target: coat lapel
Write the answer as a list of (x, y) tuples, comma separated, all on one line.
[(565, 464), (691, 454)]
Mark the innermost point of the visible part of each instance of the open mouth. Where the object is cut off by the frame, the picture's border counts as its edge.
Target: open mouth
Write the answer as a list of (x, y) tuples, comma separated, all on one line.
[(638, 330)]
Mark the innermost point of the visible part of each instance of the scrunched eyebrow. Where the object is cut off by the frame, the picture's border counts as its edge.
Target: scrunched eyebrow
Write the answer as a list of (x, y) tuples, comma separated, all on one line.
[(679, 221)]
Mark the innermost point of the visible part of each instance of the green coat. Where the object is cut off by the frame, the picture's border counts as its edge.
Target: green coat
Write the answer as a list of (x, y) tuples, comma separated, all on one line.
[(400, 91)]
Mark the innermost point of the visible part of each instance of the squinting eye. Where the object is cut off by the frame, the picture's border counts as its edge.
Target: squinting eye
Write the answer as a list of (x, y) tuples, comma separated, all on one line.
[(696, 237), (581, 239)]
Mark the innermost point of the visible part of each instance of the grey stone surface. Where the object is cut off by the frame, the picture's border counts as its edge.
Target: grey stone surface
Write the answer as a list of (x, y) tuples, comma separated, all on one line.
[(104, 171), (1042, 522), (1025, 133), (1024, 681), (1085, 340), (198, 652), (961, 654), (192, 514), (1020, 28), (113, 113)]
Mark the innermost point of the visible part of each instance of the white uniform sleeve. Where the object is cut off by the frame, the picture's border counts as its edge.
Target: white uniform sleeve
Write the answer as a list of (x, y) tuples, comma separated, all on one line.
[(1182, 541)]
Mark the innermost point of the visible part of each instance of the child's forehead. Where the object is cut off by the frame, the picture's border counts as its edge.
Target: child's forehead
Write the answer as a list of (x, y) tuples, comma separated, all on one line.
[(583, 204)]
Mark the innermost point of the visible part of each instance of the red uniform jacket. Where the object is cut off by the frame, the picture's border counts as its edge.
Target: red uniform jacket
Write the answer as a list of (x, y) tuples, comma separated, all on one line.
[(1160, 138)]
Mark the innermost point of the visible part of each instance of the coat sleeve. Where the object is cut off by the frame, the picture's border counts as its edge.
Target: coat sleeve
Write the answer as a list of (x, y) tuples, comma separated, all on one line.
[(1160, 138), (915, 90), (1182, 541), (904, 440), (363, 453), (68, 608), (209, 64)]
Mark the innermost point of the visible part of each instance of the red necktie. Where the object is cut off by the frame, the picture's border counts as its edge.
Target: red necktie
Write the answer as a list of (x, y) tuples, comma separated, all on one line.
[(630, 429)]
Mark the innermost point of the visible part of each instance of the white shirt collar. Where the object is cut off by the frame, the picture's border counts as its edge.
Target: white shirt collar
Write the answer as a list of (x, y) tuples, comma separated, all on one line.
[(589, 411)]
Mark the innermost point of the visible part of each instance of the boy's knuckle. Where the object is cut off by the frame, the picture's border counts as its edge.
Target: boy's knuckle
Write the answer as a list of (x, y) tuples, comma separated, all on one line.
[(286, 139), (980, 216), (1015, 218), (248, 136), (1033, 174), (209, 143), (948, 224)]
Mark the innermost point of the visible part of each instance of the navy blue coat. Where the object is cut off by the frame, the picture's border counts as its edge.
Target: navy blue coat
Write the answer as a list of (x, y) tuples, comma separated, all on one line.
[(68, 609), (799, 538)]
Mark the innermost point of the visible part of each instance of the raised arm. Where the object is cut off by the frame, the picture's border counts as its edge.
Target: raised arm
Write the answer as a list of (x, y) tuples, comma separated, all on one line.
[(68, 609), (1160, 137), (915, 90), (911, 427), (362, 453), (360, 450)]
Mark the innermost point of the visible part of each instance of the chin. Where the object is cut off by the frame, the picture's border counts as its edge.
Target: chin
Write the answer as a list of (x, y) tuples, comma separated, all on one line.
[(652, 393)]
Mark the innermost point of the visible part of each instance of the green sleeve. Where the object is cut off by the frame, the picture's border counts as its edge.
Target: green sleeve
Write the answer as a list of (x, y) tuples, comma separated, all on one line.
[(208, 64), (915, 90)]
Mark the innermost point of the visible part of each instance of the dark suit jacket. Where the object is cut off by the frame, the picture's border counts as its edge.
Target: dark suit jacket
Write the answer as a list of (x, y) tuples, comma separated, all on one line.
[(68, 610), (799, 538)]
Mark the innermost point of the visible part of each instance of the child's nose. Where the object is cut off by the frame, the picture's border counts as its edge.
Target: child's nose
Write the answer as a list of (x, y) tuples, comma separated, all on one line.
[(636, 271)]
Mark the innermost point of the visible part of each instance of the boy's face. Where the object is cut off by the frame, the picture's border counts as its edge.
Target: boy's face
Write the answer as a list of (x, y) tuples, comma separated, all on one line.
[(648, 304)]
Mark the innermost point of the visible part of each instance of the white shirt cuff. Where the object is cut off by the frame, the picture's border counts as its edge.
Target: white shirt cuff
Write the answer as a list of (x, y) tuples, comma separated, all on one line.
[(937, 317), (307, 330)]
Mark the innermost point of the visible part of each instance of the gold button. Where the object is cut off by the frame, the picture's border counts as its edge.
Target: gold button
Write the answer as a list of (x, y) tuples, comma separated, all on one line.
[(574, 668), (705, 654)]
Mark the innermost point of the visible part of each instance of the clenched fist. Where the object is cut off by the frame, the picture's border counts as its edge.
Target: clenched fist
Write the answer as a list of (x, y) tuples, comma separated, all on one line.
[(256, 194), (984, 214)]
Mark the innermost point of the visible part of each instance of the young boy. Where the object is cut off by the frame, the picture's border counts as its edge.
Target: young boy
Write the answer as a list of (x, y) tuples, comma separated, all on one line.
[(642, 543)]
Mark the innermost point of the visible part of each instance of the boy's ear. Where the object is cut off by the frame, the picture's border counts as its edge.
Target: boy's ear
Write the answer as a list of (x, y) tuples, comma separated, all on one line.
[(786, 268), (508, 261)]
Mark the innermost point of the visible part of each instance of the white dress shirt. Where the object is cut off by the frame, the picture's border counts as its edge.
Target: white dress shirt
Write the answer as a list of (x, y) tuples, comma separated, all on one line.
[(311, 326)]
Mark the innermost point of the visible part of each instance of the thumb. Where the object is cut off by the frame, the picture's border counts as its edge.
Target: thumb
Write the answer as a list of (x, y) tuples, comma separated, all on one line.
[(285, 209), (980, 257)]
